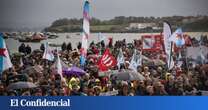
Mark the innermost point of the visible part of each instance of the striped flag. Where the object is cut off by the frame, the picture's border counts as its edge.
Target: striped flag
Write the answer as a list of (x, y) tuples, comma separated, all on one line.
[(5, 62), (86, 33)]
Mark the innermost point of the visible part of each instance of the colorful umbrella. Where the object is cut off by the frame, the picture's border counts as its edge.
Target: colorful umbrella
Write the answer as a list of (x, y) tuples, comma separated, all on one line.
[(74, 71)]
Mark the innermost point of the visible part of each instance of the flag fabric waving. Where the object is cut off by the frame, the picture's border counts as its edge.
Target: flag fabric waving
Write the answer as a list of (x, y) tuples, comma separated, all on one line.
[(48, 54), (203, 58), (59, 66), (136, 60), (5, 62), (177, 38), (106, 61), (168, 45), (120, 59), (86, 33)]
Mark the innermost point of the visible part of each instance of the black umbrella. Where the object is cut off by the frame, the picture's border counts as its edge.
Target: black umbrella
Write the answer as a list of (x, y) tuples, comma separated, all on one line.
[(128, 75), (21, 85)]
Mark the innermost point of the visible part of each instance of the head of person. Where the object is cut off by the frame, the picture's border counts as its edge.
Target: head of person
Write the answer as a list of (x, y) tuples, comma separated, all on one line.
[(150, 90)]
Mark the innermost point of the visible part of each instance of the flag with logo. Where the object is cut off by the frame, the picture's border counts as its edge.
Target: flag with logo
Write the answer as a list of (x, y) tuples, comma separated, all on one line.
[(48, 54), (120, 59), (106, 61), (5, 62), (168, 45), (136, 60)]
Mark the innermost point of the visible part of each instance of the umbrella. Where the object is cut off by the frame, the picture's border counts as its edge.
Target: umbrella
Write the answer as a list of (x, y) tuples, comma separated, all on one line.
[(21, 85), (18, 54), (128, 75), (74, 71), (158, 62), (33, 69)]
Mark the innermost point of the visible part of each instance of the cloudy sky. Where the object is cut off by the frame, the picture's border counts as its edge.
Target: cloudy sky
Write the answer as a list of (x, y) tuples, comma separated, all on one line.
[(37, 13)]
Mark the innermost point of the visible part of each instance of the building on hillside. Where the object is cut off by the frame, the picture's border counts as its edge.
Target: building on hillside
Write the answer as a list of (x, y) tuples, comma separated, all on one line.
[(143, 26)]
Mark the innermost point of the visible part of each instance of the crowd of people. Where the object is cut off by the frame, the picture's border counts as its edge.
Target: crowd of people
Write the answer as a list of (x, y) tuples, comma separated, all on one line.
[(159, 81)]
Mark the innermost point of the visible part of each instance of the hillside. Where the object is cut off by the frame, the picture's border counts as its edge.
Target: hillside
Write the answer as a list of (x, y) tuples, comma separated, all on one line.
[(131, 24)]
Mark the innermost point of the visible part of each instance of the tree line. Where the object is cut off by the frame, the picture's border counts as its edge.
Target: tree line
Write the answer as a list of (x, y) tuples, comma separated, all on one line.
[(75, 24)]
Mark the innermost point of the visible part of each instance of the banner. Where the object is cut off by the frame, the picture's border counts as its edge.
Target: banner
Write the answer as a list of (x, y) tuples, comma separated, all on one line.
[(151, 43), (196, 53), (104, 103)]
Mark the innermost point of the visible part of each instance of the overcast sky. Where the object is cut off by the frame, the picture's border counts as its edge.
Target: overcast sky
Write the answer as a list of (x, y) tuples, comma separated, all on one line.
[(37, 13)]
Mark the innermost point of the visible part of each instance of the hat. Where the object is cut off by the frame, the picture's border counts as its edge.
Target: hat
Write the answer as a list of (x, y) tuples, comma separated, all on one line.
[(146, 67), (98, 87), (75, 86), (97, 80), (167, 76), (124, 83)]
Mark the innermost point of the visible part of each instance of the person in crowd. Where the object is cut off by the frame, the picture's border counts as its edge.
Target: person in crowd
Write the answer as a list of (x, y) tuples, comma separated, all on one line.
[(22, 48), (28, 49), (63, 46)]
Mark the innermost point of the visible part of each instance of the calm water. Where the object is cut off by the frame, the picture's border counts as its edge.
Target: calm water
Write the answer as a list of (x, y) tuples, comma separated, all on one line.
[(13, 45)]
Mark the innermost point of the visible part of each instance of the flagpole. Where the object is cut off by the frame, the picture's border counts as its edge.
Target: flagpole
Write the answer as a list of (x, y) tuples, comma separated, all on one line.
[(187, 65), (170, 55)]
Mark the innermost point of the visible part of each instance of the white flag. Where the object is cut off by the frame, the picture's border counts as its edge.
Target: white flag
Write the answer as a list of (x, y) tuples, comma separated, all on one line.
[(202, 56), (21, 62), (168, 45), (59, 66), (136, 60), (120, 59), (48, 53)]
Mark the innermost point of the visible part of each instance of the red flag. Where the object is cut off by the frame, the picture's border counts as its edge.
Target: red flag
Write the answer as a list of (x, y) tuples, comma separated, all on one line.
[(2, 52), (106, 61)]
